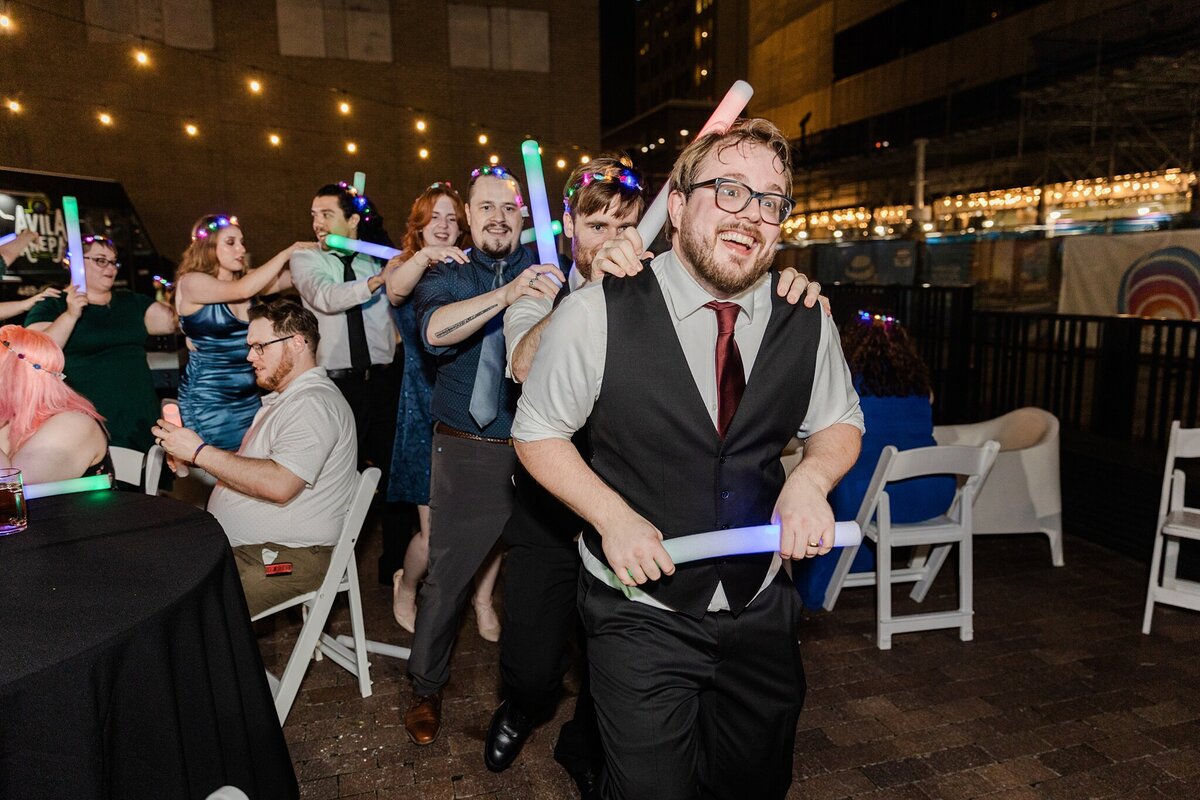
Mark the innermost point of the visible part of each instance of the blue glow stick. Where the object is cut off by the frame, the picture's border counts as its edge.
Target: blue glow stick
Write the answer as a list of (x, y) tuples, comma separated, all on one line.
[(731, 106), (744, 541), (529, 234), (91, 483), (74, 242), (10, 237), (358, 246), (539, 203), (360, 182)]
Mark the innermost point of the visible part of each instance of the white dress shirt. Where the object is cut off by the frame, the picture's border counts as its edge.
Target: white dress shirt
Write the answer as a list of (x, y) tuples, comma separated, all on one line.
[(528, 311), (567, 373), (320, 279)]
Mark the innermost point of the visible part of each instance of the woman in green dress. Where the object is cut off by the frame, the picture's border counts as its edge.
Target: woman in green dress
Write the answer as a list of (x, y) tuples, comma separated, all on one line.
[(103, 334)]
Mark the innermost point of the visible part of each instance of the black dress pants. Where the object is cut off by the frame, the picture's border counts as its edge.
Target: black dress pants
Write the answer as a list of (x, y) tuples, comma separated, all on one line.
[(374, 399), (695, 708), (541, 581)]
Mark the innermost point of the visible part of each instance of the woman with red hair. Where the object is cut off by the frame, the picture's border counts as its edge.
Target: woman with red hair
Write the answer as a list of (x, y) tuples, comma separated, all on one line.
[(434, 234), (47, 430)]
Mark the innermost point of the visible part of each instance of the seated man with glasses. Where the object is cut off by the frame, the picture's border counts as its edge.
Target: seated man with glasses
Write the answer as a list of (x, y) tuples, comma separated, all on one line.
[(282, 497)]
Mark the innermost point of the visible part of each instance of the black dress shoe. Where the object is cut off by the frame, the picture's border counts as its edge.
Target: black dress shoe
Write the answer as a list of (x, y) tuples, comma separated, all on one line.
[(587, 780), (506, 735)]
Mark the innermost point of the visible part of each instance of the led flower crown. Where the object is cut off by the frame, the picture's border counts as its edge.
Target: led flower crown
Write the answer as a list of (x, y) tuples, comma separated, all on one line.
[(867, 318), (362, 205), (38, 367), (214, 224), (626, 177)]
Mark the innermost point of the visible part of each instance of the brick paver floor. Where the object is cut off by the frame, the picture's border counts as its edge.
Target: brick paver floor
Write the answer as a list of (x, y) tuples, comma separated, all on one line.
[(1058, 696)]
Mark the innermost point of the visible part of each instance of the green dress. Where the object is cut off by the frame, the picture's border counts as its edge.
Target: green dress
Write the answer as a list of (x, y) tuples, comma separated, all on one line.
[(106, 363)]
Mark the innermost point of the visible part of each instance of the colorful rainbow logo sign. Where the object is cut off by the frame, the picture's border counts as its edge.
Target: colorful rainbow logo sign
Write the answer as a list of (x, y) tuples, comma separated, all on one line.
[(1164, 283)]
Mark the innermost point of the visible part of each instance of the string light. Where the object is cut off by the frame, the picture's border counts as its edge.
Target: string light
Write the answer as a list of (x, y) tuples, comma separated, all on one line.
[(483, 138), (191, 130), (493, 159), (6, 23), (423, 153), (585, 159), (275, 140), (344, 107), (351, 147), (105, 118), (141, 57), (683, 131), (255, 86), (561, 163), (13, 106), (421, 125), (662, 140)]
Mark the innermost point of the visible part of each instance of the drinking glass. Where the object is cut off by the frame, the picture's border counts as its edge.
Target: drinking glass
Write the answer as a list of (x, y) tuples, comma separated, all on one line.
[(12, 502)]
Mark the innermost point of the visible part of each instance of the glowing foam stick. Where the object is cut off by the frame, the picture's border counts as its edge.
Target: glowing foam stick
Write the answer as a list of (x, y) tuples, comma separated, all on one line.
[(359, 246), (538, 202), (11, 237), (744, 541), (91, 483), (170, 412), (360, 182), (730, 107), (74, 242), (529, 234)]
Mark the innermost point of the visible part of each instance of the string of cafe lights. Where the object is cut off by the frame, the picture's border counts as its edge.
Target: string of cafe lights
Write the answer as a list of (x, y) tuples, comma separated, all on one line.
[(256, 84)]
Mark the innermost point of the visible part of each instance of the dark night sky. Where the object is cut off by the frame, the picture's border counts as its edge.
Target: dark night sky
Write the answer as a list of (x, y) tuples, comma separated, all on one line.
[(616, 62)]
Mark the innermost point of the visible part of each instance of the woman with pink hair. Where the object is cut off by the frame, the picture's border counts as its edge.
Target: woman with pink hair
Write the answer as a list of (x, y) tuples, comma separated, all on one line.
[(47, 430)]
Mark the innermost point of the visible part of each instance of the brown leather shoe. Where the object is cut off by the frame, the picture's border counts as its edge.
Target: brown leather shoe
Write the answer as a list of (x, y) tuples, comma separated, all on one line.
[(423, 719)]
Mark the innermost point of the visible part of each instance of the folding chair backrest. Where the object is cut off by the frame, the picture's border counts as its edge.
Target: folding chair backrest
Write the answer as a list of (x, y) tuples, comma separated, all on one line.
[(364, 490), (972, 463), (137, 468), (1183, 443)]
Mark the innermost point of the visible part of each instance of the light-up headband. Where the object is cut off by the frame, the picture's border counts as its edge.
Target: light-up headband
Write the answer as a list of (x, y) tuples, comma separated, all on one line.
[(626, 177), (867, 318), (214, 224), (38, 367), (362, 205)]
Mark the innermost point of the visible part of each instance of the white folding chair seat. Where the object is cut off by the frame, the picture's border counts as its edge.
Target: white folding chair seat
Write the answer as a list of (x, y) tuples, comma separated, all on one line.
[(1175, 521), (138, 468), (939, 534), (342, 576)]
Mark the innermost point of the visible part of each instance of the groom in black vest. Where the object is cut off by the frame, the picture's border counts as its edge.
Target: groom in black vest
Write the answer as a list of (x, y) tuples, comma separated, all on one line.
[(692, 377)]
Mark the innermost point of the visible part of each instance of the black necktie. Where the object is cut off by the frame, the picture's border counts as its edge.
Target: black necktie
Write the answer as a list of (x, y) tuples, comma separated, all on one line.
[(360, 354)]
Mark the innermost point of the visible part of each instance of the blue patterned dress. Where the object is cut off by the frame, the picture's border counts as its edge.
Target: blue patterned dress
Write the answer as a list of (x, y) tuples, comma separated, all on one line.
[(412, 452)]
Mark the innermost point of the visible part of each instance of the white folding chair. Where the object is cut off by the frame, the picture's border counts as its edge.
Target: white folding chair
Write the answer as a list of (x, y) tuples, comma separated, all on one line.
[(953, 527), (138, 468), (342, 576), (1176, 521)]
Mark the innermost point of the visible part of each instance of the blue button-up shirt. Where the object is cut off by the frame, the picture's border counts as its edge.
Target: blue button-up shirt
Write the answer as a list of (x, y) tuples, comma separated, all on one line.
[(448, 283)]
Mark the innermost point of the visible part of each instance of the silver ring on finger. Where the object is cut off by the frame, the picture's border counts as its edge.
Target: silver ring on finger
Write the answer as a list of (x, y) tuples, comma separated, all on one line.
[(533, 280)]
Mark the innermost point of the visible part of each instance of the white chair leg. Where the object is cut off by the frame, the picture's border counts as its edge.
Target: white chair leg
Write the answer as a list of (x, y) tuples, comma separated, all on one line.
[(966, 588), (883, 594), (358, 629), (1056, 545), (845, 559), (1170, 562), (1152, 584), (302, 653), (933, 565)]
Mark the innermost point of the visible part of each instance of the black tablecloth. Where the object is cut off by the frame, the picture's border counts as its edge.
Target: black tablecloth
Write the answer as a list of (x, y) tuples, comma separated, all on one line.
[(128, 668)]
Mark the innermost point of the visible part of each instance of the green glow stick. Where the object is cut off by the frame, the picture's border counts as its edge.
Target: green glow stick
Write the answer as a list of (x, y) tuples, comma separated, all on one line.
[(360, 182), (74, 242), (359, 246), (91, 483), (530, 234)]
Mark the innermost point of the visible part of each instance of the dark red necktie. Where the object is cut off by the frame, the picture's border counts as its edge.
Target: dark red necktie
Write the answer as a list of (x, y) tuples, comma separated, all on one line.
[(731, 377)]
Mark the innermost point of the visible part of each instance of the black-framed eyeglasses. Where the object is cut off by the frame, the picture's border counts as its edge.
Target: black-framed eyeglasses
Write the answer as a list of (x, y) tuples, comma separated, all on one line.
[(259, 348), (734, 196), (103, 262)]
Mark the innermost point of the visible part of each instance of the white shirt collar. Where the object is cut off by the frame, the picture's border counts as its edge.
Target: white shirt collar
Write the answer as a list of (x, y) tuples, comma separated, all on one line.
[(686, 296)]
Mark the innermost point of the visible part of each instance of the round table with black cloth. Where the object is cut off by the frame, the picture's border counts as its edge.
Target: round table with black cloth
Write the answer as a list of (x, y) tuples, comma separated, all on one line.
[(128, 668)]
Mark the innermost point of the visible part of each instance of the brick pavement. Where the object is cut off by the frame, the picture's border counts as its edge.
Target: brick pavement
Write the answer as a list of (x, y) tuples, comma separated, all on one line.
[(1058, 696)]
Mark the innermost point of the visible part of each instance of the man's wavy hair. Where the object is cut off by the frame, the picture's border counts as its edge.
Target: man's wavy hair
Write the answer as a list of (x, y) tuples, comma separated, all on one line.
[(883, 358), (743, 131)]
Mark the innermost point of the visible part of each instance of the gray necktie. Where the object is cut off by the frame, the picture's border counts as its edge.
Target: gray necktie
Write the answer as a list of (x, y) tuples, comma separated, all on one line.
[(485, 395)]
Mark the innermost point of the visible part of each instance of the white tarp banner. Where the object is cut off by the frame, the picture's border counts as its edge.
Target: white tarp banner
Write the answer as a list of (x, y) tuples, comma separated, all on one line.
[(1145, 274)]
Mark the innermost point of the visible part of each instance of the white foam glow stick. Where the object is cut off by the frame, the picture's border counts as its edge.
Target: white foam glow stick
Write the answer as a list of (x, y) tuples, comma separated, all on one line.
[(91, 483), (11, 237), (359, 246), (360, 182), (538, 202), (74, 242), (731, 106), (744, 541)]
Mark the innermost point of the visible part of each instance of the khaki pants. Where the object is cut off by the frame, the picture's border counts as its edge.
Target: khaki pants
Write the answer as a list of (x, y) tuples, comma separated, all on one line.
[(309, 565)]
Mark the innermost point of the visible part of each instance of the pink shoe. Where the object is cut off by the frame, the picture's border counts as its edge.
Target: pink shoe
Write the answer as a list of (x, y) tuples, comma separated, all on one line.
[(404, 603), (486, 619)]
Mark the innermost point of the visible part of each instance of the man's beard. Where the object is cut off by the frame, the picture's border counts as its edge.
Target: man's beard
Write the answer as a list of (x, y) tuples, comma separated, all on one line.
[(583, 259), (700, 253), (271, 382), (499, 248)]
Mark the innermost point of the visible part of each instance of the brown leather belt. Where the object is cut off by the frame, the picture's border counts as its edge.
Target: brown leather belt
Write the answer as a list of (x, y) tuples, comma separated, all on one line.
[(446, 430)]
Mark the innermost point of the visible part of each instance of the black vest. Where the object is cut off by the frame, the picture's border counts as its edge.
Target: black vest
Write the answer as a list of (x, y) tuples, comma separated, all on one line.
[(655, 444)]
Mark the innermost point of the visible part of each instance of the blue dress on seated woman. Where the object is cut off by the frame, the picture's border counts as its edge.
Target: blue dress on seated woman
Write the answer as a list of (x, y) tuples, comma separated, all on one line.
[(906, 423), (218, 396)]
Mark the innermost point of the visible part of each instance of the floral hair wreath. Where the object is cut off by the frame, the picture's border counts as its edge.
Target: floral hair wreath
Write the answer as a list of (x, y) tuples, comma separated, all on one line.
[(101, 238), (867, 318), (362, 205), (215, 224), (440, 185), (626, 177), (499, 171), (36, 366)]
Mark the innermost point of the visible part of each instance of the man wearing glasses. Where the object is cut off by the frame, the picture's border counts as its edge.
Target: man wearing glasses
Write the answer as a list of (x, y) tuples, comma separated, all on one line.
[(692, 377), (282, 497)]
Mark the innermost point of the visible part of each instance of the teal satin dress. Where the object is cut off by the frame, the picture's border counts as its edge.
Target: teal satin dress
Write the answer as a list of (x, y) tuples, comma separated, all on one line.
[(218, 396)]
